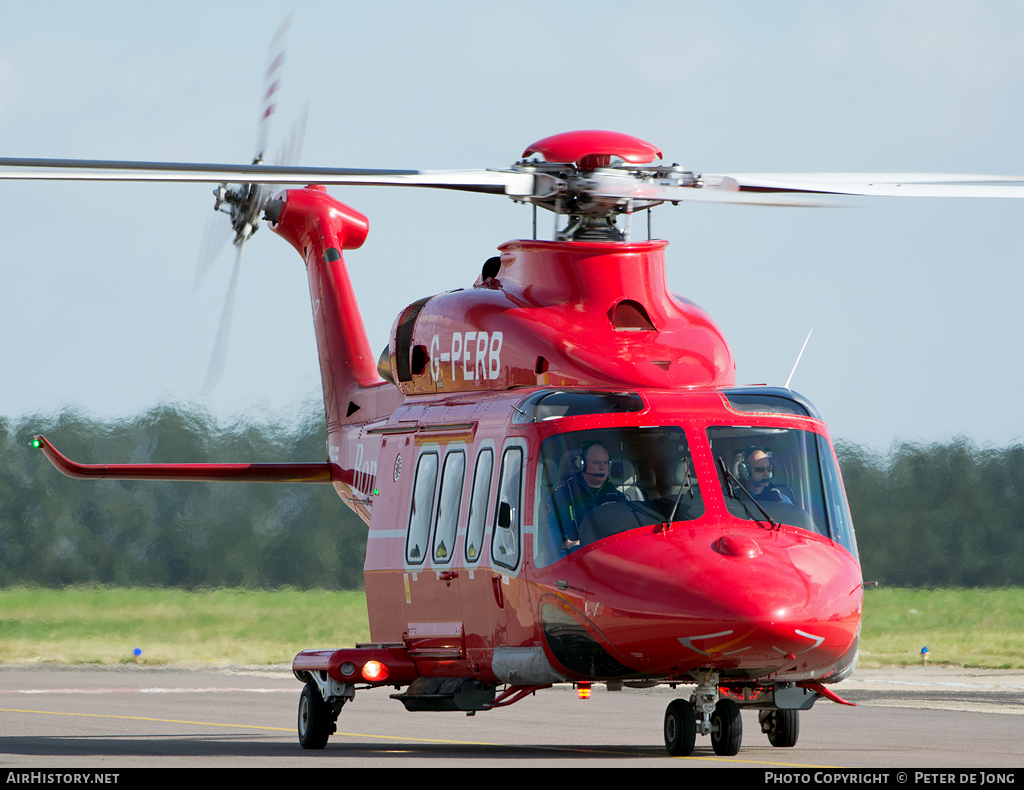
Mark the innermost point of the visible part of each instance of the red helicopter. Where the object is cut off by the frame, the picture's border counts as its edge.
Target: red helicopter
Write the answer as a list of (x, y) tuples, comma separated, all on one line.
[(561, 480)]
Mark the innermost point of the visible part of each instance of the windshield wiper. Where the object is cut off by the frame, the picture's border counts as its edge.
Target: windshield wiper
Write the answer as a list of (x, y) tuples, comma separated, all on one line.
[(730, 476), (682, 490)]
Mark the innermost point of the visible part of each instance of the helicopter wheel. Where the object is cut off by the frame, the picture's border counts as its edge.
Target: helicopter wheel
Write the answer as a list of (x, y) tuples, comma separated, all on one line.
[(781, 726), (316, 718), (726, 728), (680, 728)]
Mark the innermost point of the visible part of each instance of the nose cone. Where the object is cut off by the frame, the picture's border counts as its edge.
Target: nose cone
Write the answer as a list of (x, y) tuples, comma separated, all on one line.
[(734, 597)]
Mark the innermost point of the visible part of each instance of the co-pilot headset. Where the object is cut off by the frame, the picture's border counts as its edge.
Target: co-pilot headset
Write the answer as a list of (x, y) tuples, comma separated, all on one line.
[(743, 470)]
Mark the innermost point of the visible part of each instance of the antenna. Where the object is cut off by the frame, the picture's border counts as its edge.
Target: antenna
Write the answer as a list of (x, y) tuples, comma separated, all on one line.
[(786, 385)]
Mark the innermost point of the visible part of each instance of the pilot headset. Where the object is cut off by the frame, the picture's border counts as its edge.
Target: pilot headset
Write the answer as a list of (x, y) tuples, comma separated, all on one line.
[(580, 461)]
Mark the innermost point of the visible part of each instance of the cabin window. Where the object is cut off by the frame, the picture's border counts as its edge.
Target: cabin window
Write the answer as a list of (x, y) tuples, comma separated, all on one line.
[(789, 475), (478, 504), (449, 503), (647, 479), (422, 509), (508, 513)]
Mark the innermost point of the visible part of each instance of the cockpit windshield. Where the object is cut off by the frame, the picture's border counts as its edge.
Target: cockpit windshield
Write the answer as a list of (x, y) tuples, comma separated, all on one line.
[(597, 483), (785, 476)]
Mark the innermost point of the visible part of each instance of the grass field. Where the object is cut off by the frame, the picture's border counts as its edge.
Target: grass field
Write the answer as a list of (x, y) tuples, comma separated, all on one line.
[(981, 628), (105, 625), (975, 628)]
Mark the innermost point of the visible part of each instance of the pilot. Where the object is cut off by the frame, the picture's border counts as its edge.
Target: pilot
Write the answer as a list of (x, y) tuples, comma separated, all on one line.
[(759, 483), (580, 494)]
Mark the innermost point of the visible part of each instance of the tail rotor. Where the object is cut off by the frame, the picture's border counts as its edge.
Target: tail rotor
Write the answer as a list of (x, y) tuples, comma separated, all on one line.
[(245, 203)]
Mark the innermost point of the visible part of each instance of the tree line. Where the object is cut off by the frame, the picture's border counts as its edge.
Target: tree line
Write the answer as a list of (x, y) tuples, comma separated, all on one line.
[(57, 531), (938, 515), (941, 514)]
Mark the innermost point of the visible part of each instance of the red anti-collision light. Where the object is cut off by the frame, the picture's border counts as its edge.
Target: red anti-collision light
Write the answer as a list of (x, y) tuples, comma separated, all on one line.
[(375, 672)]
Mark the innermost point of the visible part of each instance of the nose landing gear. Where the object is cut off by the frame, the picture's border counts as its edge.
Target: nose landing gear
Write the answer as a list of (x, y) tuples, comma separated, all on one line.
[(721, 720), (680, 728), (726, 728)]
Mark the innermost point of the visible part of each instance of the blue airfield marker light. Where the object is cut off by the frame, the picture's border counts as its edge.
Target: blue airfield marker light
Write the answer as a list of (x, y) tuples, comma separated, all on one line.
[(924, 655)]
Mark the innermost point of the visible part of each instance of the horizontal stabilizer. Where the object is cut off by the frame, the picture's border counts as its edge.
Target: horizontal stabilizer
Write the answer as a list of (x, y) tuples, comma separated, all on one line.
[(243, 473)]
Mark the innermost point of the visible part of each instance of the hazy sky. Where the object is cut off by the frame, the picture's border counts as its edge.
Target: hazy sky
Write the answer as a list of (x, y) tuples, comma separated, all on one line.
[(915, 304)]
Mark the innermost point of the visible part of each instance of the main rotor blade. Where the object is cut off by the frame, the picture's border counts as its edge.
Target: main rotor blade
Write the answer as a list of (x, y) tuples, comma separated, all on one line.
[(877, 184), (688, 194), (809, 189), (754, 188), (500, 182)]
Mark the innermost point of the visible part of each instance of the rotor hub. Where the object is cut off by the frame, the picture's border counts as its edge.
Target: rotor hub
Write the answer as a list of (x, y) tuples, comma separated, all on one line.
[(243, 204), (590, 149), (586, 185)]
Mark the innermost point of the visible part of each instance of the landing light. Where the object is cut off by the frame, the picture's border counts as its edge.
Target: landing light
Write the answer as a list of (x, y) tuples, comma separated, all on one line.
[(375, 672)]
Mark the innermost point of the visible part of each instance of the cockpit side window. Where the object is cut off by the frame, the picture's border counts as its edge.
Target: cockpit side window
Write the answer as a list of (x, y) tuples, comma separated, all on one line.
[(839, 518)]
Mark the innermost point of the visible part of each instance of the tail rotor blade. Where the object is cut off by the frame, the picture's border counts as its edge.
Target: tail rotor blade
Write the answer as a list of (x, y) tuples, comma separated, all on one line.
[(247, 201), (291, 151), (216, 235), (276, 54), (220, 346)]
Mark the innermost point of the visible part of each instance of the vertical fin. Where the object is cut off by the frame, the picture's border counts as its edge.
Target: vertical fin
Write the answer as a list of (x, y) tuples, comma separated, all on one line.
[(319, 228)]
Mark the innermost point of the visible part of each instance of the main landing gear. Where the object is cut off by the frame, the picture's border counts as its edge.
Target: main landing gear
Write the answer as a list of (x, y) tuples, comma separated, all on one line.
[(318, 718), (781, 726)]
